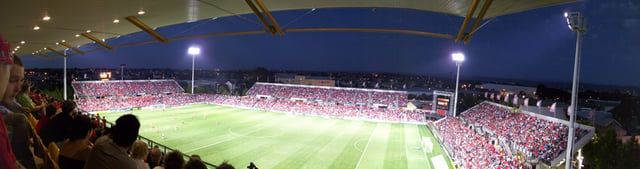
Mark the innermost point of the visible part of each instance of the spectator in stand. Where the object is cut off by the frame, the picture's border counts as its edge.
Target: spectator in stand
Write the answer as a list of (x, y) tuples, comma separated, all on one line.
[(7, 158), (50, 111), (173, 160), (195, 163), (25, 101), (16, 119), (110, 151), (75, 151), (139, 151), (155, 157), (225, 165), (57, 129)]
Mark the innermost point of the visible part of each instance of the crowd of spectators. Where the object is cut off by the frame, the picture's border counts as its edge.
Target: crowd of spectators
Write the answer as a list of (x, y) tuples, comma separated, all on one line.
[(304, 93), (322, 94), (535, 137), (472, 150), (335, 95), (264, 104), (263, 89), (125, 88)]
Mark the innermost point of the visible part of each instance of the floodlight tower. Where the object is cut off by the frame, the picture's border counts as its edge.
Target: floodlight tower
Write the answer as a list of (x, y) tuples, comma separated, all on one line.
[(576, 23), (65, 74), (193, 51), (458, 58)]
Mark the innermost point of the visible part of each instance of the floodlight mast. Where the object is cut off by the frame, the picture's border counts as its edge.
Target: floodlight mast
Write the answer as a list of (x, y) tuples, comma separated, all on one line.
[(576, 23), (65, 74), (458, 58), (193, 51)]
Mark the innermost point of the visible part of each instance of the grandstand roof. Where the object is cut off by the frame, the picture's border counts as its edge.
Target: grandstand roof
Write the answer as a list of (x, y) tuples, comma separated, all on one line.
[(72, 18)]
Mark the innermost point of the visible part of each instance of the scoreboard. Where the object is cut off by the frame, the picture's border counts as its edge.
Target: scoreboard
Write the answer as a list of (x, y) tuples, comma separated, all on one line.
[(442, 102), (442, 105)]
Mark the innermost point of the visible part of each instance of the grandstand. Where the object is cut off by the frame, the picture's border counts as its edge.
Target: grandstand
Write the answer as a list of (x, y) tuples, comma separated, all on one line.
[(339, 95), (93, 89), (499, 136), (347, 103)]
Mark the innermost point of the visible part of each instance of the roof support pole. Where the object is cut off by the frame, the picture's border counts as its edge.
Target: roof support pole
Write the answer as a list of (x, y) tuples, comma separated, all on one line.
[(71, 47), (485, 7), (472, 9), (260, 16), (146, 28), (89, 36), (273, 20)]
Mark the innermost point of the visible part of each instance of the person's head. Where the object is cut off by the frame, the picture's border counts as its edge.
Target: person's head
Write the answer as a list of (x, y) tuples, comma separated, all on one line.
[(81, 128), (16, 74), (125, 132), (51, 110), (139, 150), (69, 107), (173, 160), (195, 163), (195, 156), (156, 156), (224, 165), (6, 60)]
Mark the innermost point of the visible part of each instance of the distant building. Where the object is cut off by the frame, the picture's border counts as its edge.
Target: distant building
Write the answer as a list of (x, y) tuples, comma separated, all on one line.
[(510, 89), (305, 80), (602, 120)]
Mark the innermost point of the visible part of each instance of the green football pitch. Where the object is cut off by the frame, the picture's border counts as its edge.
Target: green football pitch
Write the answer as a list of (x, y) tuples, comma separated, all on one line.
[(277, 140)]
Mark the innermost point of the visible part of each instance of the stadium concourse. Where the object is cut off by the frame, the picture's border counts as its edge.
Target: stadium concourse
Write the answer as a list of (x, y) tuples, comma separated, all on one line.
[(488, 135)]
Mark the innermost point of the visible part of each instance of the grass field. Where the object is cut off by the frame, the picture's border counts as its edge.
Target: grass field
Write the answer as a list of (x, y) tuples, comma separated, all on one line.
[(276, 140)]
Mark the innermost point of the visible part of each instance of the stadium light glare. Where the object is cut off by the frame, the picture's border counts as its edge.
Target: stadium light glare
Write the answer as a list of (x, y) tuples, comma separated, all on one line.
[(458, 57), (194, 50)]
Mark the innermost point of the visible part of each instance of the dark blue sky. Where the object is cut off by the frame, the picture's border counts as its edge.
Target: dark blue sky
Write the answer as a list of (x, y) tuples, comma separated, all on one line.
[(533, 45)]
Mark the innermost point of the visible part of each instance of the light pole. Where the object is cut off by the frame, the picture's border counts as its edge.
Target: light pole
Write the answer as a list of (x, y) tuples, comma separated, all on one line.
[(65, 74), (122, 72), (193, 51), (458, 58), (577, 24)]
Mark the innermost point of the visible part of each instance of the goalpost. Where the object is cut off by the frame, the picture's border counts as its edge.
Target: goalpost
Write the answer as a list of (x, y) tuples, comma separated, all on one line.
[(158, 106), (427, 145)]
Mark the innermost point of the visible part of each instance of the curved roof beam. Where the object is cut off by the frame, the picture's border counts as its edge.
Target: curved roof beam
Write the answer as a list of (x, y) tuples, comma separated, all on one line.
[(146, 28), (71, 47), (89, 36), (463, 28)]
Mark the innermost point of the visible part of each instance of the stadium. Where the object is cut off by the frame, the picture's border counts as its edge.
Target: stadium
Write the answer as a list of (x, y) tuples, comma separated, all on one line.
[(263, 116), (310, 122)]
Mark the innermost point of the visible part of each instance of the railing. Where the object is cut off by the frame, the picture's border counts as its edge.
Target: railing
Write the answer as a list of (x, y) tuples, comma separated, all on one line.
[(164, 148)]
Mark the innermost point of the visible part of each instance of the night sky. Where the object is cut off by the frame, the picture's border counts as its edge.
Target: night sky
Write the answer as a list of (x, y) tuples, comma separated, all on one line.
[(533, 45)]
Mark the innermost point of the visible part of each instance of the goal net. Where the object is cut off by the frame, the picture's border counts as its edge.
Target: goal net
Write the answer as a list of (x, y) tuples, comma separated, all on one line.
[(427, 145), (158, 106)]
